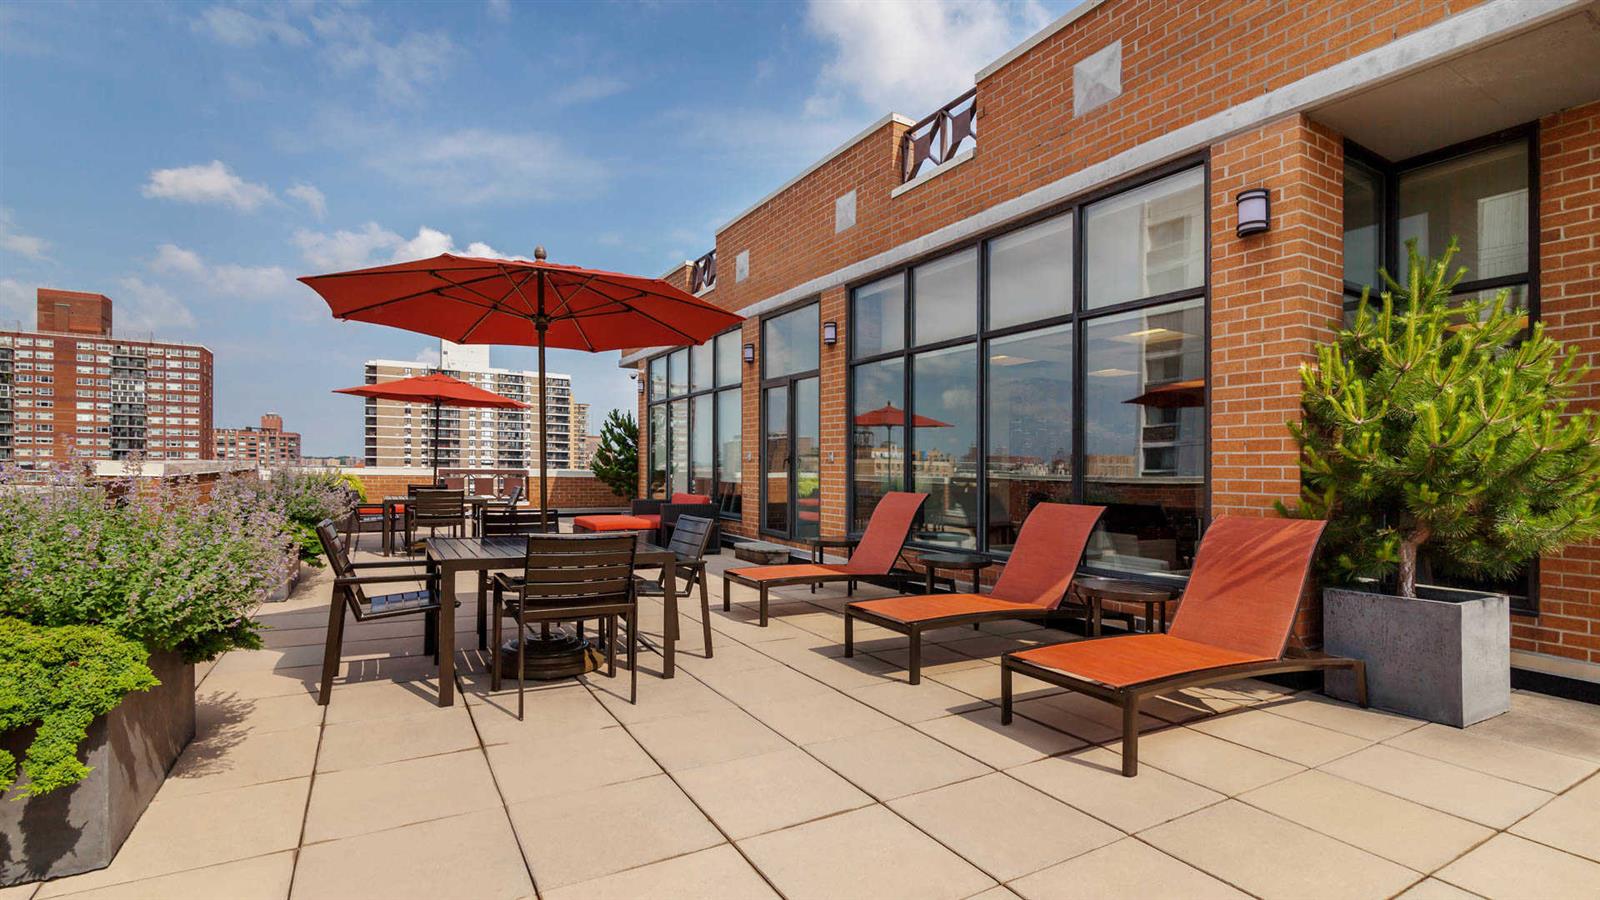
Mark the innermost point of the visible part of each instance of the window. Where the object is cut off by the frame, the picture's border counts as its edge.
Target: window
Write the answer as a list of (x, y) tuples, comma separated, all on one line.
[(791, 416), (694, 410), (1363, 225), (1481, 194), (1033, 386)]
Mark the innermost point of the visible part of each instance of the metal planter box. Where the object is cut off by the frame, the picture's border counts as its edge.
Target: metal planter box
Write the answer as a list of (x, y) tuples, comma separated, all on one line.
[(130, 750), (1444, 657)]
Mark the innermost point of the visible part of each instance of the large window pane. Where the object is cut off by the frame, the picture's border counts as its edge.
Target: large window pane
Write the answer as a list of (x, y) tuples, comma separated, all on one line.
[(945, 297), (730, 453), (1144, 438), (878, 319), (678, 440), (658, 378), (807, 458), (700, 356), (789, 342), (700, 447), (878, 435), (944, 439), (1482, 199), (729, 367), (658, 450), (776, 454), (1030, 273), (1363, 224), (1030, 427), (678, 373), (1147, 241)]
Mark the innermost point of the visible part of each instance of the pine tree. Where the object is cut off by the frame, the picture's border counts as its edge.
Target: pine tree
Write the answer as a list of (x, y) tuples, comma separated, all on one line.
[(1442, 427), (616, 460)]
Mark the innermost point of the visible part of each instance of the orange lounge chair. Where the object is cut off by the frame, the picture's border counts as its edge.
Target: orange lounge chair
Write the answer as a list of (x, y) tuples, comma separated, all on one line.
[(880, 544), (1032, 585), (1233, 623)]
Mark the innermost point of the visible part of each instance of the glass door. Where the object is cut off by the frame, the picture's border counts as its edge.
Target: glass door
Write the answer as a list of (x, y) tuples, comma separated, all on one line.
[(779, 459), (791, 425), (807, 459)]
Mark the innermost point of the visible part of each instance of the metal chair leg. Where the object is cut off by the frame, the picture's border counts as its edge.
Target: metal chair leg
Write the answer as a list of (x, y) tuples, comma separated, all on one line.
[(916, 655), (726, 603), (1130, 735), (705, 611), (1005, 693), (763, 605), (849, 633), (522, 665), (331, 652), (633, 654), (494, 654)]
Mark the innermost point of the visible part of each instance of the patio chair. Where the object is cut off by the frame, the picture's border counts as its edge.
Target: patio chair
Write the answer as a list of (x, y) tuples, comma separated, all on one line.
[(1032, 585), (567, 578), (433, 510), (364, 518), (349, 592), (507, 522), (874, 556), (1234, 622), (690, 540)]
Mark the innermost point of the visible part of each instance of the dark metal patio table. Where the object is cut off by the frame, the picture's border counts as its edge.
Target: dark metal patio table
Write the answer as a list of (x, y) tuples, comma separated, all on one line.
[(475, 505), (451, 556)]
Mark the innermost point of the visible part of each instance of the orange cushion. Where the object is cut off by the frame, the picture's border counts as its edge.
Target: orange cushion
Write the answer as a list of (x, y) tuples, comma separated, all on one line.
[(689, 498), (1134, 658), (615, 523), (940, 606), (798, 570)]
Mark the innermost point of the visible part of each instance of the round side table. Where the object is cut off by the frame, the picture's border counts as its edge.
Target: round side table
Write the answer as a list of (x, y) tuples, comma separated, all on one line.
[(1092, 591), (967, 562)]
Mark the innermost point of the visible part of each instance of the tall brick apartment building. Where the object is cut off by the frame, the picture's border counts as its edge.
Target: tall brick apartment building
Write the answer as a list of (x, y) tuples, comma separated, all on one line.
[(268, 445), (73, 390), (1048, 279)]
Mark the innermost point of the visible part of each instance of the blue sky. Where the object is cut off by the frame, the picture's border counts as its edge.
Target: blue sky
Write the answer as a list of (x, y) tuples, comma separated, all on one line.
[(190, 160)]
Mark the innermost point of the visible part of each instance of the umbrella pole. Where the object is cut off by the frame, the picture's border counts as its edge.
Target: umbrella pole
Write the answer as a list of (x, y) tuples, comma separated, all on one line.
[(541, 324), (435, 453)]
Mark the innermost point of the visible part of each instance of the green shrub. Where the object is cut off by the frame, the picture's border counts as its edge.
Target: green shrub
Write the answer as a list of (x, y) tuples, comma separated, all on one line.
[(62, 679), (616, 460)]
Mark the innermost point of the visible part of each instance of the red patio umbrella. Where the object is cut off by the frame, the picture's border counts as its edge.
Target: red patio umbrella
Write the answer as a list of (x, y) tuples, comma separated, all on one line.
[(891, 416), (1174, 395), (440, 390), (473, 300)]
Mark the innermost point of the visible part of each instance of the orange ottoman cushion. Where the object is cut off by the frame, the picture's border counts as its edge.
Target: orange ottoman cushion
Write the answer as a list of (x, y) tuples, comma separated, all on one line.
[(615, 523)]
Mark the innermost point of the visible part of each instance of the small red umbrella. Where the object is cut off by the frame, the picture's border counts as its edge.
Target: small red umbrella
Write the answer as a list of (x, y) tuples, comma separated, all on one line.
[(473, 300), (439, 390), (891, 416)]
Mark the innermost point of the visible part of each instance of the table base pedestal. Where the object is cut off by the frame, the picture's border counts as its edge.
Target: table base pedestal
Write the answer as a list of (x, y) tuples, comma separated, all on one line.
[(561, 655)]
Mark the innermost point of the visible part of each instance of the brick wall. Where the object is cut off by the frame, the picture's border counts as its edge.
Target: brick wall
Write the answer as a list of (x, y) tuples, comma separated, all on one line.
[(566, 491), (1569, 283), (835, 414)]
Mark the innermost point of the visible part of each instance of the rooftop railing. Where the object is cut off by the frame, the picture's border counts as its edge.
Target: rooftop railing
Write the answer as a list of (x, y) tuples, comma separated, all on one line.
[(937, 138), (704, 276)]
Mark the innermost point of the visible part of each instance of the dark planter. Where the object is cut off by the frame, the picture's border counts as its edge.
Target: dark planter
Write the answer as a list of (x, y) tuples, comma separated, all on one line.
[(129, 750), (1444, 656)]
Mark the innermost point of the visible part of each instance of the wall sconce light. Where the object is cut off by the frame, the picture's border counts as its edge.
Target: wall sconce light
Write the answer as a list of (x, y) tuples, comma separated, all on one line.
[(749, 353), (830, 333), (641, 385), (1255, 211)]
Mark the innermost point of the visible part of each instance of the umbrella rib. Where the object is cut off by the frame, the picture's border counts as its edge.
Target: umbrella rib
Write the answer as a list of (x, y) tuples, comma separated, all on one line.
[(435, 273), (566, 303), (496, 307)]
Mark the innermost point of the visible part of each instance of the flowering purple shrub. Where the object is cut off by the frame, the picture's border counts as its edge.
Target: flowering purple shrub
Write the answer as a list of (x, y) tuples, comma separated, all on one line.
[(306, 498), (152, 559)]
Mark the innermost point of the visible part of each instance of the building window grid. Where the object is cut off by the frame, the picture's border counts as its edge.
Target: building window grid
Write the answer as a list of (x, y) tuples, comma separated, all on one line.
[(659, 442), (1080, 317)]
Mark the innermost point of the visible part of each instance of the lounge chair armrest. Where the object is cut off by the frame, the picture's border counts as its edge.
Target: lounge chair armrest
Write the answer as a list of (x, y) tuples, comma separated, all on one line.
[(645, 507)]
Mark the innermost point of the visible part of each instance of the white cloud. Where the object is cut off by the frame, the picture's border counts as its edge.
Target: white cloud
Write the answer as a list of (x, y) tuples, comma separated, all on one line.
[(212, 182), (402, 68), (17, 303), (145, 308), (588, 89), (374, 245), (21, 244), (236, 28), (479, 166), (428, 356), (314, 199), (499, 10), (911, 56), (172, 258), (226, 279)]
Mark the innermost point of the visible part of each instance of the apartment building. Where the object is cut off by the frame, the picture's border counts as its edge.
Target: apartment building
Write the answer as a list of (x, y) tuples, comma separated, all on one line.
[(71, 389), (583, 443), (1094, 276), (401, 434), (266, 445)]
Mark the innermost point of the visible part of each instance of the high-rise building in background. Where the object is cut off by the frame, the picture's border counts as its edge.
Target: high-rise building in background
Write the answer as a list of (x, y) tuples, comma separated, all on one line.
[(70, 389), (268, 445), (401, 434), (583, 443)]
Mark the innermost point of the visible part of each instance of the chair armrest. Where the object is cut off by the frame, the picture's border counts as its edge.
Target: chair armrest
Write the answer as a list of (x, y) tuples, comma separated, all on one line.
[(645, 507), (430, 578), (507, 582), (395, 564)]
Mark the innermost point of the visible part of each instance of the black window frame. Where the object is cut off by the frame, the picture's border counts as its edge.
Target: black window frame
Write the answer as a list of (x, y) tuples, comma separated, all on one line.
[(1078, 318), (1391, 252), (788, 381), (688, 397)]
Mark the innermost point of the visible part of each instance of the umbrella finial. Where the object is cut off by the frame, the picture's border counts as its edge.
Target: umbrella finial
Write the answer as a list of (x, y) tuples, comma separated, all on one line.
[(538, 252)]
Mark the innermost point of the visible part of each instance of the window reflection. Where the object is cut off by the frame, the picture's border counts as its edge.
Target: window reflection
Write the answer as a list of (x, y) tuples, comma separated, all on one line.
[(700, 356), (1363, 224), (878, 322), (730, 459), (678, 372), (658, 378), (1144, 442), (945, 298), (944, 443), (1481, 199), (700, 446), (878, 435), (1147, 241), (658, 448), (728, 365), (807, 459), (1030, 427), (777, 456), (678, 441), (1030, 273), (789, 342)]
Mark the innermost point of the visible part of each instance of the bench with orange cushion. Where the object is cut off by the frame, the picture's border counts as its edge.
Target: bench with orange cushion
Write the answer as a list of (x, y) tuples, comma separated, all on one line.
[(1234, 622), (1032, 585), (874, 556), (616, 523)]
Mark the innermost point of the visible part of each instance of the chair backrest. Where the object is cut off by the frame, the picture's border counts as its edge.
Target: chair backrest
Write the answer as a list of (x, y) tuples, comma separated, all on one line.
[(437, 504), (516, 521), (516, 495), (886, 532), (1047, 554), (690, 537), (1246, 584), (339, 561), (578, 570)]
